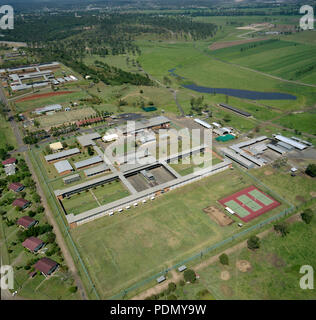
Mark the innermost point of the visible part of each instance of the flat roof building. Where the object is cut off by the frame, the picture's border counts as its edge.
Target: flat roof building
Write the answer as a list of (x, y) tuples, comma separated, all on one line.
[(56, 146), (293, 143), (72, 178), (87, 139), (52, 107), (96, 170)]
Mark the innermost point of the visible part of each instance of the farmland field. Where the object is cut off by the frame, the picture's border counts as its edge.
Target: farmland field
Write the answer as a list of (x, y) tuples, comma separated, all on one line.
[(133, 245), (286, 59)]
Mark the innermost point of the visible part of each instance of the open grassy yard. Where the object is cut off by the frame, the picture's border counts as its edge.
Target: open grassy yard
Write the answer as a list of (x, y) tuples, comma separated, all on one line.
[(110, 192), (95, 197), (123, 249), (274, 272), (79, 202), (63, 117), (303, 122), (294, 189), (6, 133)]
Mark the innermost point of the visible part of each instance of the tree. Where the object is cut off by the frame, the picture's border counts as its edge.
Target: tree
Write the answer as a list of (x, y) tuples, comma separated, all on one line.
[(282, 228), (189, 275), (311, 170), (90, 151), (307, 216), (227, 118), (253, 243), (223, 258)]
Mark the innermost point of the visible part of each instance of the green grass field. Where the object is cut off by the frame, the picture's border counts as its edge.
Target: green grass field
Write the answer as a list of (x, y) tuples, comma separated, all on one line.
[(65, 116), (92, 198), (42, 102), (133, 245), (274, 270), (286, 59)]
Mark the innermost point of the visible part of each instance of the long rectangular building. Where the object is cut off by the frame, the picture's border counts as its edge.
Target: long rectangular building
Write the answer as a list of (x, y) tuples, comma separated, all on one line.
[(96, 170), (295, 144), (243, 113), (88, 162), (61, 154)]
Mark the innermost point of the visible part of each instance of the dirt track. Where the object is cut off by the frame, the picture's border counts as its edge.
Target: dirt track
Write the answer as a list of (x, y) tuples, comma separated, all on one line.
[(43, 95)]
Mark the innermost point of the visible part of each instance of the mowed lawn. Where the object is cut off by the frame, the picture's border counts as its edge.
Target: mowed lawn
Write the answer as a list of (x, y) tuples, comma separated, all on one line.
[(92, 198), (126, 248), (275, 267)]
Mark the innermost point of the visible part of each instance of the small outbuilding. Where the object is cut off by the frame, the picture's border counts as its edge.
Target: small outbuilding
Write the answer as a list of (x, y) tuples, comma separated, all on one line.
[(56, 146)]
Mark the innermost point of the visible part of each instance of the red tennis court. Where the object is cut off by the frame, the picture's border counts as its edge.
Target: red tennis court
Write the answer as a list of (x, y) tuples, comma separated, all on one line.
[(249, 203)]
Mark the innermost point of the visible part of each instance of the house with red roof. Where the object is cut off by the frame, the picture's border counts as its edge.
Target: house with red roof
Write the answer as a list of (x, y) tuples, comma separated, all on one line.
[(21, 203), (33, 244), (26, 222), (9, 161), (16, 186), (46, 266)]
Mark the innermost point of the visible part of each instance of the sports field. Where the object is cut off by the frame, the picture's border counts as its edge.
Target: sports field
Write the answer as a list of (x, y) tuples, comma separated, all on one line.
[(249, 203)]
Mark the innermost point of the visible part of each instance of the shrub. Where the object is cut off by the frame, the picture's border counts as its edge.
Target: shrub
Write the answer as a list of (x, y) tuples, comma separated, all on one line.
[(253, 243), (182, 283), (73, 289), (307, 216), (172, 297), (189, 275), (223, 258), (281, 228), (311, 170)]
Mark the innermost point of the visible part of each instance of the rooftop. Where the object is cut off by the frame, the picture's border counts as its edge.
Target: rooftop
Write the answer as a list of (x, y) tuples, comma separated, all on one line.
[(20, 202), (87, 162), (25, 221), (45, 265), (87, 139), (32, 243), (9, 161), (61, 154), (62, 166)]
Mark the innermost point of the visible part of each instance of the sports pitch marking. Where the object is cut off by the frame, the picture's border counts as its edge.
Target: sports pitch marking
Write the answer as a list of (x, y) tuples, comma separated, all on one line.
[(249, 203)]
